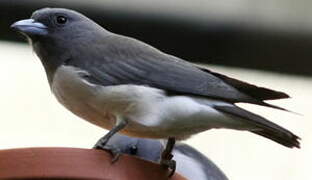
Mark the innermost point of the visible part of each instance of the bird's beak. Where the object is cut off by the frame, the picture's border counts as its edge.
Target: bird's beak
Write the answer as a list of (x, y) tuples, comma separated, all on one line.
[(30, 27)]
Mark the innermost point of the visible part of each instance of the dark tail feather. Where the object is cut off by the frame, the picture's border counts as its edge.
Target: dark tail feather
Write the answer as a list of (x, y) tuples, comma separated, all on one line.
[(261, 103), (270, 105), (264, 127), (253, 91), (289, 140)]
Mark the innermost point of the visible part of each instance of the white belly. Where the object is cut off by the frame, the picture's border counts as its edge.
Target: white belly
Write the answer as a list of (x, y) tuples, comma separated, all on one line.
[(149, 112), (99, 105)]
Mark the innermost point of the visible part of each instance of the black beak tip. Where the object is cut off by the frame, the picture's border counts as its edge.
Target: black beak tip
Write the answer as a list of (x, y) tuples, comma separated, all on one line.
[(13, 27)]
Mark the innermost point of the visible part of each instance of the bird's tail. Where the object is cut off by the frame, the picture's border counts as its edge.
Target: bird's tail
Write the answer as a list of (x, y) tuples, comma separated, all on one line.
[(263, 127)]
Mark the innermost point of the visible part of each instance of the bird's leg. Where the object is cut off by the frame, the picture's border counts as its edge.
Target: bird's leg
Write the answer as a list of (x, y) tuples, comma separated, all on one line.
[(101, 144), (166, 156)]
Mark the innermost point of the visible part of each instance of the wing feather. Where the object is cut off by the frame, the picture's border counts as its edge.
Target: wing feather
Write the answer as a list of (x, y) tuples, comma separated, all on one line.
[(123, 60)]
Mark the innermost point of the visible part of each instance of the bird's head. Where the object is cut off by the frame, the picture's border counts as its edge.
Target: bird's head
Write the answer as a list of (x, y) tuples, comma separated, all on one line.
[(58, 34), (55, 24)]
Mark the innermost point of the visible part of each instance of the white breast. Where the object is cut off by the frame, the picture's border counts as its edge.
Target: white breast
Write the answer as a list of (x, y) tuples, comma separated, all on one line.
[(139, 104), (76, 94), (149, 112), (68, 85)]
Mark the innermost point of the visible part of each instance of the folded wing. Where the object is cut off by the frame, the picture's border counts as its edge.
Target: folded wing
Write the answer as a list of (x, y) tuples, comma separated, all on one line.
[(123, 60)]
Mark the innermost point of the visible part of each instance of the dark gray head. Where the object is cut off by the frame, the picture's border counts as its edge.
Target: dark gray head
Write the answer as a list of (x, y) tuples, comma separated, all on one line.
[(56, 33), (147, 149)]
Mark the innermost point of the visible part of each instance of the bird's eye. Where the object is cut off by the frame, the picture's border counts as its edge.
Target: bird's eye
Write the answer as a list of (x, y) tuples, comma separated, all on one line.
[(133, 150), (61, 19)]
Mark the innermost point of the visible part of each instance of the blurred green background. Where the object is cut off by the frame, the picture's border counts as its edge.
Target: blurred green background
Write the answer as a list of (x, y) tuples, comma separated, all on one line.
[(262, 42)]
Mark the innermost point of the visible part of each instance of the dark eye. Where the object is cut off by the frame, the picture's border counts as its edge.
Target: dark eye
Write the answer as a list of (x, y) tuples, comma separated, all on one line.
[(61, 19), (133, 150)]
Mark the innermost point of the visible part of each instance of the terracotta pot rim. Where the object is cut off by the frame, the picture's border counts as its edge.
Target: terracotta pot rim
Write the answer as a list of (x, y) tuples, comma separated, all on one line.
[(76, 164)]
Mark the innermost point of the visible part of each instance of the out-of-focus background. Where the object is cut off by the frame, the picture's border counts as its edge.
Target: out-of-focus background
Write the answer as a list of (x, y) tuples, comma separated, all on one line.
[(267, 43)]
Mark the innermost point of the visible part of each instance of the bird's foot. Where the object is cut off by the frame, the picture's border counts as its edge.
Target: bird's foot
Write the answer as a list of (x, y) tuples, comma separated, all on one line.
[(114, 151), (169, 164), (166, 156), (102, 145)]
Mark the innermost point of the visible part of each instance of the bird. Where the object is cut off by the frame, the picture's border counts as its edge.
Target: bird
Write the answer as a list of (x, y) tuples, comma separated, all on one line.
[(125, 85), (190, 163)]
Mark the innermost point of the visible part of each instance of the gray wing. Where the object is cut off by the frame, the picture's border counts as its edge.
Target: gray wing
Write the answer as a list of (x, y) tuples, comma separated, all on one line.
[(121, 60)]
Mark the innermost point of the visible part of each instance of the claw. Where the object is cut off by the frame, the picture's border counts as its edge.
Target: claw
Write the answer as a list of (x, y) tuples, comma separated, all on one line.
[(115, 152), (101, 144), (116, 157), (171, 164), (166, 156)]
